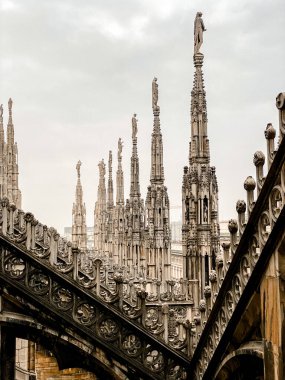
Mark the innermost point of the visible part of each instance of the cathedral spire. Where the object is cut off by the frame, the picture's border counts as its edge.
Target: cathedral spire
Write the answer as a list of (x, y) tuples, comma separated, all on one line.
[(79, 229), (78, 186), (199, 141), (135, 184), (157, 170), (102, 186), (100, 212), (120, 176), (200, 226), (157, 231), (110, 202)]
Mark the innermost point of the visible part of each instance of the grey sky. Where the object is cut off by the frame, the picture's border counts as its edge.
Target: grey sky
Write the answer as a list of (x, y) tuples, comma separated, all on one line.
[(78, 70)]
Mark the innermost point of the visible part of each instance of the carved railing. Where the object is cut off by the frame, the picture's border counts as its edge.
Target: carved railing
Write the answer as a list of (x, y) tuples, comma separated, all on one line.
[(245, 258), (42, 266)]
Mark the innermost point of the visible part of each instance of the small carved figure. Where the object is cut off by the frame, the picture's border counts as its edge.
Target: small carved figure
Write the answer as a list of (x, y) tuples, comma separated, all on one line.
[(134, 126), (154, 93), (199, 28), (78, 168), (205, 210), (187, 211), (1, 111)]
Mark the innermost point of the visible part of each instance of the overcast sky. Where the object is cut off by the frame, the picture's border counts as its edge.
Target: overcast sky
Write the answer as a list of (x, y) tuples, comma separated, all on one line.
[(78, 70)]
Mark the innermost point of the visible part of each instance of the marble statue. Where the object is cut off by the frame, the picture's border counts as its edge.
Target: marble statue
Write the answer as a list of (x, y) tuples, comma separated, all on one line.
[(154, 93), (120, 148), (78, 168), (134, 126), (199, 28)]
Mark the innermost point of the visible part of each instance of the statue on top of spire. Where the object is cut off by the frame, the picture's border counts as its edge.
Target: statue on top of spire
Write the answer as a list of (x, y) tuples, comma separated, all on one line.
[(1, 111), (78, 168), (102, 170), (154, 93), (10, 103), (199, 28), (110, 160), (134, 126), (120, 148)]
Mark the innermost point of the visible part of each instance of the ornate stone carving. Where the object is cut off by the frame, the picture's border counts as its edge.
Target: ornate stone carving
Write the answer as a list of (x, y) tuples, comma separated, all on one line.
[(62, 298), (108, 329), (39, 282), (132, 345)]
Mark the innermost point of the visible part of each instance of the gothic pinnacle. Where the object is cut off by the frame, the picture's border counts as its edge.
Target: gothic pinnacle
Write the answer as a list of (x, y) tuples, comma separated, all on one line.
[(120, 175), (79, 234), (157, 170), (135, 185), (110, 182), (199, 142)]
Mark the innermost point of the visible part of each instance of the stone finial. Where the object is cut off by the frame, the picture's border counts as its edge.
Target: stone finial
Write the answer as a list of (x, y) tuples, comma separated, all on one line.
[(207, 291), (1, 111), (280, 100), (270, 132), (202, 305), (199, 28), (219, 258), (240, 206), (213, 276), (134, 126), (280, 104), (258, 158), (249, 184), (232, 226), (78, 165)]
